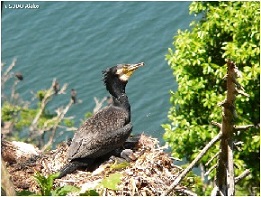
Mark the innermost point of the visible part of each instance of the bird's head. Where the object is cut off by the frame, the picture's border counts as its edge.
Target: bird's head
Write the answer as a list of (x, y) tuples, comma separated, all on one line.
[(124, 71), (116, 78)]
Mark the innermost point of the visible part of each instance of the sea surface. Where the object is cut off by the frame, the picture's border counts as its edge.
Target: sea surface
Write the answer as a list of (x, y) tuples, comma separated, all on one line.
[(74, 41)]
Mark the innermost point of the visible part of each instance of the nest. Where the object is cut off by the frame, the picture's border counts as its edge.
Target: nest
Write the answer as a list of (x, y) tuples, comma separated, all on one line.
[(149, 174)]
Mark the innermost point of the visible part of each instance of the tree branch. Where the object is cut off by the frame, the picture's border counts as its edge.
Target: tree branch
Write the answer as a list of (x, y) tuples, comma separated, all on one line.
[(209, 161), (49, 93), (225, 180), (192, 164), (186, 191), (241, 176), (98, 104), (243, 127), (216, 124), (210, 169), (59, 119)]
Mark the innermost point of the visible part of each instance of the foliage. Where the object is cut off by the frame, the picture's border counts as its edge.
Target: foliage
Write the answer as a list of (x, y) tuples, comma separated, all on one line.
[(22, 113), (195, 183), (111, 182), (46, 186), (119, 166), (228, 30), (90, 193)]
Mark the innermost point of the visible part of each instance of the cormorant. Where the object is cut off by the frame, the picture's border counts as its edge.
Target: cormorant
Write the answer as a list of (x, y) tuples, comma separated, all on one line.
[(19, 76), (73, 95), (56, 87), (109, 128)]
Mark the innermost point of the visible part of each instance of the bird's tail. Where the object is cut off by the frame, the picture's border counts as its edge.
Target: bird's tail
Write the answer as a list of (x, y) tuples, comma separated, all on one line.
[(72, 166)]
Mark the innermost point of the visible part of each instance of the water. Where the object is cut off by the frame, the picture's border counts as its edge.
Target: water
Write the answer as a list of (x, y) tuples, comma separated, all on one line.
[(75, 41)]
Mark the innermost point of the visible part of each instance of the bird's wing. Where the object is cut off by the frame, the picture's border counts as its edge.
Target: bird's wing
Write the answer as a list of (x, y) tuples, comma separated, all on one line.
[(105, 131)]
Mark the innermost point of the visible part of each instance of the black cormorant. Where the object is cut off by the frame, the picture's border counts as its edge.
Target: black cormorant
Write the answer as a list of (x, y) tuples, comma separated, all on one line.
[(73, 95), (19, 76), (109, 128), (56, 87)]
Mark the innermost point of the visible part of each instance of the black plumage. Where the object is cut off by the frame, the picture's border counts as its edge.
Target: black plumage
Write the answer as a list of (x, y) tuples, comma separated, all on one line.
[(56, 87), (73, 95), (109, 128), (19, 76)]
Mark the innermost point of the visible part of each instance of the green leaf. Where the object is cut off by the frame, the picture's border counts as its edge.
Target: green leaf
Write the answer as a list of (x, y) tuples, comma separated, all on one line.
[(90, 193), (112, 181), (63, 191)]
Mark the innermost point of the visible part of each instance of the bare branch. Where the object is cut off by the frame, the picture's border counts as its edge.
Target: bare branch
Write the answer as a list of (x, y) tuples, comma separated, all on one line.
[(186, 191), (241, 176), (242, 92), (243, 127), (10, 67), (216, 124), (48, 95), (59, 119), (209, 161), (192, 164), (214, 191), (210, 169), (98, 104), (225, 179), (6, 75)]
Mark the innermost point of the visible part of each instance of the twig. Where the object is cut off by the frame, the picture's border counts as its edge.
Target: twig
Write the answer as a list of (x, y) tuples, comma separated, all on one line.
[(210, 169), (49, 93), (10, 67), (216, 124), (241, 176), (59, 118), (242, 93), (214, 191), (13, 89), (98, 104), (243, 127), (209, 161), (192, 164), (6, 76), (186, 191)]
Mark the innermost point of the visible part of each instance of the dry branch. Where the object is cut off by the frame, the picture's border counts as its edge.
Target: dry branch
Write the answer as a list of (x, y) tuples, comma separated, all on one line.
[(225, 168), (209, 161), (48, 95), (225, 179), (192, 164), (216, 124), (59, 119), (241, 176), (5, 76), (150, 174), (243, 127), (210, 170), (98, 104)]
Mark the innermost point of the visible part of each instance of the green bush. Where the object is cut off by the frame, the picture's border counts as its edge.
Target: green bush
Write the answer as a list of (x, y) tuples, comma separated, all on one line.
[(228, 30)]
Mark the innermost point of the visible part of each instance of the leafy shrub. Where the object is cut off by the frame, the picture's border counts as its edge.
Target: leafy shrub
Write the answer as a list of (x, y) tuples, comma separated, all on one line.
[(228, 30)]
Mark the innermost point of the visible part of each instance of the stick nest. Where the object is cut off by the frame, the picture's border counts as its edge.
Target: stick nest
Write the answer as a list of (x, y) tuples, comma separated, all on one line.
[(150, 174)]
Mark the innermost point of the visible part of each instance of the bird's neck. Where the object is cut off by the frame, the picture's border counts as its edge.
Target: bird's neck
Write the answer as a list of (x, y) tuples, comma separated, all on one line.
[(122, 101)]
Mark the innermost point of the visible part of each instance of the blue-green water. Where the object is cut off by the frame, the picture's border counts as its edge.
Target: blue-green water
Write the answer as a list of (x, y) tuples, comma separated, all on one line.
[(75, 41)]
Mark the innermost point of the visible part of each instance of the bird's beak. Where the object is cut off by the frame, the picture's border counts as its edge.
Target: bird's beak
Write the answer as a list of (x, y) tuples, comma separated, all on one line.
[(133, 67), (127, 70)]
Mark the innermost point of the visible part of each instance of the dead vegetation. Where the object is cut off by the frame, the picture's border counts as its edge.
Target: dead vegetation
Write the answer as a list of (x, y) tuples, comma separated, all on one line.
[(150, 174)]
